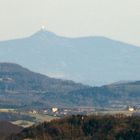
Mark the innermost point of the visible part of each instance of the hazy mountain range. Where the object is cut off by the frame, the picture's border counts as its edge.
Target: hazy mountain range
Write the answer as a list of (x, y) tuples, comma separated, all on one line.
[(22, 88), (14, 77), (89, 60)]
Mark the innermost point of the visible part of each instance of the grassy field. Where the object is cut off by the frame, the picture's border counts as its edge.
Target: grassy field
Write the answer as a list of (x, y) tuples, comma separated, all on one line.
[(127, 113), (23, 123), (37, 118), (7, 110)]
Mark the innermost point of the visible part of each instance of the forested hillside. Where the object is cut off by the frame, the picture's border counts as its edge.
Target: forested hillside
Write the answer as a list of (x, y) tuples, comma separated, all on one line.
[(22, 88), (14, 77), (117, 127)]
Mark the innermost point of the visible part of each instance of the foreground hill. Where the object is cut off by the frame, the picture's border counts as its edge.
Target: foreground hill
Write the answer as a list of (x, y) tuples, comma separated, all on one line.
[(88, 60), (84, 128), (6, 129)]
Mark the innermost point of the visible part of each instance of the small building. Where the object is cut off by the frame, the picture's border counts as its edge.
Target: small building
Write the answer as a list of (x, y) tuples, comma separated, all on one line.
[(45, 111), (131, 109), (54, 110), (34, 111)]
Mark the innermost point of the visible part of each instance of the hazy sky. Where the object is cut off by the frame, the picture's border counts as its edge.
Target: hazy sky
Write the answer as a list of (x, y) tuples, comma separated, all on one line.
[(118, 19)]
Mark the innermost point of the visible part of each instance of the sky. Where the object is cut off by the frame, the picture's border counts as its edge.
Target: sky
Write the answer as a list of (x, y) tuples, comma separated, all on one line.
[(116, 19)]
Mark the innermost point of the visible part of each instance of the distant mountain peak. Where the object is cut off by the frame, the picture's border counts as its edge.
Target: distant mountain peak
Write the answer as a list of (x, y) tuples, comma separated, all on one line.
[(81, 59), (43, 32)]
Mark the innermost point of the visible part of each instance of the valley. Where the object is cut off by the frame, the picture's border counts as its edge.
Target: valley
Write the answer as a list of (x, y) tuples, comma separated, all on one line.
[(28, 98)]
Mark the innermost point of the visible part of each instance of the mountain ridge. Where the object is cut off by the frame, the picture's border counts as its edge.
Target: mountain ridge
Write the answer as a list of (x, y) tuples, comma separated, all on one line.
[(25, 77), (22, 88), (80, 59)]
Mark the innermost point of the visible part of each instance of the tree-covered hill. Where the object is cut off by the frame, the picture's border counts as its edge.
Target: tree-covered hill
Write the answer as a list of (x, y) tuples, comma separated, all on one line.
[(14, 77), (20, 87)]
